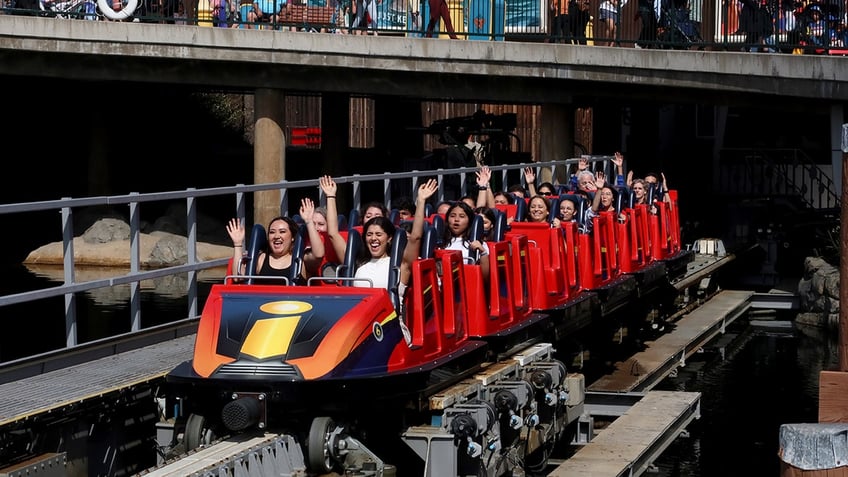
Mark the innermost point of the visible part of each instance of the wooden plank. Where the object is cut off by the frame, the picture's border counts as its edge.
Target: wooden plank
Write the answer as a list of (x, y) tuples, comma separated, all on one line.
[(630, 437), (690, 333), (833, 396)]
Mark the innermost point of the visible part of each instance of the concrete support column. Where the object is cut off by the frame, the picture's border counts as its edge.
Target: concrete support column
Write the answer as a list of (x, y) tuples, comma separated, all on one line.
[(269, 151), (557, 139)]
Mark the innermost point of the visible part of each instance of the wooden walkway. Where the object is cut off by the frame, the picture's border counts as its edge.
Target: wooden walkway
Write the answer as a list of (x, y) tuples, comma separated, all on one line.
[(645, 369), (633, 441)]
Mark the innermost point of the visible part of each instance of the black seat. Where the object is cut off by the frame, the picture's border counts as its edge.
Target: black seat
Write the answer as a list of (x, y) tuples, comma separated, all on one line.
[(477, 232), (439, 226), (352, 250), (500, 226), (354, 218), (429, 242), (395, 261), (258, 242), (553, 212), (520, 209)]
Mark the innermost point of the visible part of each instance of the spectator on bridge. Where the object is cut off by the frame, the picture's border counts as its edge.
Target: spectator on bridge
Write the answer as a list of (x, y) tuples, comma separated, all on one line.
[(578, 19), (609, 14), (561, 21), (756, 21), (366, 14), (265, 11), (439, 9), (649, 12)]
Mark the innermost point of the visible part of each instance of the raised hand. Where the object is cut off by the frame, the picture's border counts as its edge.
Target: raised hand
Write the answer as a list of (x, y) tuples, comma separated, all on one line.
[(618, 159), (328, 185), (582, 164), (427, 189), (484, 175), (236, 230), (529, 175), (307, 208), (600, 180)]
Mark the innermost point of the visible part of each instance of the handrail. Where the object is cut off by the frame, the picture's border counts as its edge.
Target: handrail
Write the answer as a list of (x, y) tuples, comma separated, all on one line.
[(714, 26), (789, 172), (135, 201)]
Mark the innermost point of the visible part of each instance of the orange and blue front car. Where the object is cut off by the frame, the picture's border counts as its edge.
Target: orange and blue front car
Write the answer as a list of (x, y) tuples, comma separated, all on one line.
[(296, 333)]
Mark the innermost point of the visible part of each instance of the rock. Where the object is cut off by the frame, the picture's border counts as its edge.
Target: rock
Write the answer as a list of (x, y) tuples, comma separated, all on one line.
[(819, 294), (107, 230), (106, 245)]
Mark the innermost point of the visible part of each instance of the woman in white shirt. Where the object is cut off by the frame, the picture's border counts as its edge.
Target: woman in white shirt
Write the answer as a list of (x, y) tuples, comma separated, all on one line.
[(378, 232)]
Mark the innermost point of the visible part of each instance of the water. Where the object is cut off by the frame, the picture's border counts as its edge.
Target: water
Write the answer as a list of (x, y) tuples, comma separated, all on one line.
[(101, 313), (752, 381)]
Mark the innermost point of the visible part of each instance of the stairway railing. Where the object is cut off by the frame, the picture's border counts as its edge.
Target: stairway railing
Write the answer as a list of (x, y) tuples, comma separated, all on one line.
[(776, 172)]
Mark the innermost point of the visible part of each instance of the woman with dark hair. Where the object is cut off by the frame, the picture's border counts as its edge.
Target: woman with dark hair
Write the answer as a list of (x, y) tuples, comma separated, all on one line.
[(489, 218), (276, 259), (539, 210), (458, 235), (377, 234), (371, 210)]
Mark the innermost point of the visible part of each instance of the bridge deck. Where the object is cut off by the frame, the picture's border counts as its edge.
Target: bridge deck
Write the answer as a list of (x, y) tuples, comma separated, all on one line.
[(56, 390)]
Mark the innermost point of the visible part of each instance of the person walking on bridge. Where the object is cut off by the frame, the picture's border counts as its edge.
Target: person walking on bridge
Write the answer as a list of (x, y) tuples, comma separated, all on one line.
[(439, 9)]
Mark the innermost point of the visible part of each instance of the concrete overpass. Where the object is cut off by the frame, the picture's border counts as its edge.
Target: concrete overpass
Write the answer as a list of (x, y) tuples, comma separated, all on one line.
[(398, 66), (269, 63)]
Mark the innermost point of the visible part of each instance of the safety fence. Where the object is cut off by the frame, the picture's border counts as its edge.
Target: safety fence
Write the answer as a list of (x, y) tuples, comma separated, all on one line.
[(789, 26)]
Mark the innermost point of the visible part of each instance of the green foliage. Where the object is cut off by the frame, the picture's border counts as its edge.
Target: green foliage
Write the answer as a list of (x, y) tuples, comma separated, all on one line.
[(226, 109)]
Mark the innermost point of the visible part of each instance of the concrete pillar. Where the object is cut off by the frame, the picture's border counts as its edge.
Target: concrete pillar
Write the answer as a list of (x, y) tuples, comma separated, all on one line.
[(269, 151), (557, 139)]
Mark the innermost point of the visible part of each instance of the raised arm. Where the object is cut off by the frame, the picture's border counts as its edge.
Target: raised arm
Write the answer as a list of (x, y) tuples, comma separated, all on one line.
[(666, 197), (485, 197), (530, 180), (329, 187), (600, 182), (236, 231), (313, 256), (618, 160), (413, 243)]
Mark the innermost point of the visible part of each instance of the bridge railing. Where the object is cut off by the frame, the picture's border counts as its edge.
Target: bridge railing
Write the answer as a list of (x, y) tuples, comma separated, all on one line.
[(353, 191), (678, 24)]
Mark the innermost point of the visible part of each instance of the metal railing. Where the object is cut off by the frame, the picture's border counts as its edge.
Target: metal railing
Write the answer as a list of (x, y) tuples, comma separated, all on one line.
[(777, 172), (352, 189), (693, 24)]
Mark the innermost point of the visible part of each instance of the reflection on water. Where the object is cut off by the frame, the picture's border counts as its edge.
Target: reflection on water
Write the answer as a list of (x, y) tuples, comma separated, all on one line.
[(750, 385), (38, 327)]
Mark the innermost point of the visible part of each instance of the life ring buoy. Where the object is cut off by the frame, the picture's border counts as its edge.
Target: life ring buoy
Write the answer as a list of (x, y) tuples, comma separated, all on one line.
[(123, 14)]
